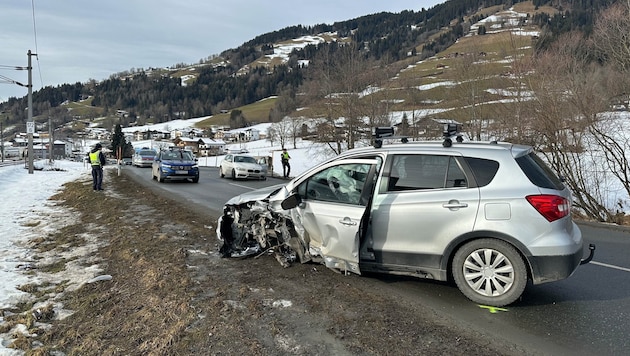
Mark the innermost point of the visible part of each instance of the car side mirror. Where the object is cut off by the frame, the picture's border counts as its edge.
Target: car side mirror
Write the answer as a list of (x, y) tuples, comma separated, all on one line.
[(291, 202)]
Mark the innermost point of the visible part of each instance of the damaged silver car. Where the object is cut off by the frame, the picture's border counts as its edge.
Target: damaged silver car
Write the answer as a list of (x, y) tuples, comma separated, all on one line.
[(488, 216)]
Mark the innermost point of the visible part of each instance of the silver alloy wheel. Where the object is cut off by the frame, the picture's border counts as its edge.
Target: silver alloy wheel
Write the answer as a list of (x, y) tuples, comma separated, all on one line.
[(488, 272)]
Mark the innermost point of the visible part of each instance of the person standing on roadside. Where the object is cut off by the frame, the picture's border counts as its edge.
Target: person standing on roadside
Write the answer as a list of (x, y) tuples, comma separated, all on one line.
[(97, 160), (286, 167)]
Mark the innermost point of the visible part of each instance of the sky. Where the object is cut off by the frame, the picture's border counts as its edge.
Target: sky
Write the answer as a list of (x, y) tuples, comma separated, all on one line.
[(76, 41)]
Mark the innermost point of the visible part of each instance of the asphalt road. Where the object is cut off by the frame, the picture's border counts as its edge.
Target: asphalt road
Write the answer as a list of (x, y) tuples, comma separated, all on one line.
[(209, 194), (586, 314)]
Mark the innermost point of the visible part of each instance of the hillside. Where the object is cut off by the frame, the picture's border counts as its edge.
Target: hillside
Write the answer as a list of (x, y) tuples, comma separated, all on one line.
[(266, 66)]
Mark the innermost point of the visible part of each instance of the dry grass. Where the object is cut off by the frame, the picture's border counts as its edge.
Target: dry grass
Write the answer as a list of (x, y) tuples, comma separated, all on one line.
[(171, 294)]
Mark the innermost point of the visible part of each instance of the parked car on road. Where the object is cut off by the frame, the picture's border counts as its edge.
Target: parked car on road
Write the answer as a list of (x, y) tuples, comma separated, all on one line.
[(144, 157), (175, 164), (243, 166), (488, 216)]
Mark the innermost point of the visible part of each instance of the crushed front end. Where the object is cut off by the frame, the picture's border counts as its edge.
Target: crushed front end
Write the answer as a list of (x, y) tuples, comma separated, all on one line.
[(252, 228)]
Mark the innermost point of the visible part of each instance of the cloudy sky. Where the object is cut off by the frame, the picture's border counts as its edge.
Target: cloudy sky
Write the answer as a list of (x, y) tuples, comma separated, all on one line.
[(76, 41)]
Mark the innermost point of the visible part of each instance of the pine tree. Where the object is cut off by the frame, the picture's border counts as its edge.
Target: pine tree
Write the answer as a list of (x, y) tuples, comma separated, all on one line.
[(118, 141)]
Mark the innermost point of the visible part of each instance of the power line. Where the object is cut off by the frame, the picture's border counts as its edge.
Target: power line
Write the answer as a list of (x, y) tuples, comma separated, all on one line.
[(2, 66), (39, 68), (7, 80)]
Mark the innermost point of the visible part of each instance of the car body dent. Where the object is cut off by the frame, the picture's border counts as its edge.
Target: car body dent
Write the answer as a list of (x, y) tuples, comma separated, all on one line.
[(310, 230)]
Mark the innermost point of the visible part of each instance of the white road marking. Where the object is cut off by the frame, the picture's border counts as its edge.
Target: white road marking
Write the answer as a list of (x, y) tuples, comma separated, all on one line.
[(610, 266)]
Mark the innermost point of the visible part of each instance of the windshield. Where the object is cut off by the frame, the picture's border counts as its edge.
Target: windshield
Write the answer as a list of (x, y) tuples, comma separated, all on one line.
[(244, 159), (147, 153), (177, 155)]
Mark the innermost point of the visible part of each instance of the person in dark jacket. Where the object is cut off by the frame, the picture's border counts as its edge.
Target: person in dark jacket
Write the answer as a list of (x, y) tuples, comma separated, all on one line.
[(97, 160)]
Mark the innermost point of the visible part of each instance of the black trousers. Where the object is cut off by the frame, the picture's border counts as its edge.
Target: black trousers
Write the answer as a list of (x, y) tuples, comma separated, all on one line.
[(97, 177), (286, 168)]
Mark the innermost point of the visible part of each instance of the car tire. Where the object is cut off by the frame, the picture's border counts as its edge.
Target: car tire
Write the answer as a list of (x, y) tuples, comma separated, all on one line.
[(233, 174), (221, 173), (195, 180), (475, 272)]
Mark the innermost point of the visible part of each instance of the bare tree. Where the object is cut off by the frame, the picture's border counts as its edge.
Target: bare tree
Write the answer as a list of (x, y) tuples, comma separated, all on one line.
[(353, 75), (414, 98), (611, 34), (285, 105), (377, 98), (281, 131), (321, 89), (568, 96), (611, 137), (471, 91), (512, 116)]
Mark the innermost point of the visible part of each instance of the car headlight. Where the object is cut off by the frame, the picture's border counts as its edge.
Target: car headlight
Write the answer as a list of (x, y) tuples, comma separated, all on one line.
[(166, 166), (195, 166)]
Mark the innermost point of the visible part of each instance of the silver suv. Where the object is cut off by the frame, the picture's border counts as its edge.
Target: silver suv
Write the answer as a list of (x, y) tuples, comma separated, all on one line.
[(488, 216)]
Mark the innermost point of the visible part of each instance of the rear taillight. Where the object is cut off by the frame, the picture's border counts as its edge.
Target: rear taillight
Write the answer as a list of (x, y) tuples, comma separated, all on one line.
[(552, 207)]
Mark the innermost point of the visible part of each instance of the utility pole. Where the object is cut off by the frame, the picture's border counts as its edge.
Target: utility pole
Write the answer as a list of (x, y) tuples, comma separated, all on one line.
[(30, 125), (51, 141), (2, 140)]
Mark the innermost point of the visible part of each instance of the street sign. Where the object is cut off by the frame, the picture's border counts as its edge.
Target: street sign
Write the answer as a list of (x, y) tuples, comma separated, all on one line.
[(30, 127)]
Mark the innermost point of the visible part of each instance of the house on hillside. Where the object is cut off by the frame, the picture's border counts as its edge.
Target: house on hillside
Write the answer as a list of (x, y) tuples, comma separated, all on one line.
[(151, 135), (187, 143), (219, 132), (210, 147), (241, 135)]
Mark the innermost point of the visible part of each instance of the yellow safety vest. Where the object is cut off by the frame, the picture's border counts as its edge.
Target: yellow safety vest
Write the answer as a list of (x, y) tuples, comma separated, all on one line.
[(95, 160), (285, 156)]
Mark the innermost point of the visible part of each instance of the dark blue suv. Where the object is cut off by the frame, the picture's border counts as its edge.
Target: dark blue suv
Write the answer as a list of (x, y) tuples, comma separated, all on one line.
[(175, 164)]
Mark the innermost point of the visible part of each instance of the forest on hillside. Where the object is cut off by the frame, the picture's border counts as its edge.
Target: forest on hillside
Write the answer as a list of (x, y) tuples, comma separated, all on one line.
[(385, 38)]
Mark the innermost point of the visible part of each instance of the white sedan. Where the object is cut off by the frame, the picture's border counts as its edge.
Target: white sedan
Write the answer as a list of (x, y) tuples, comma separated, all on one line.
[(242, 166)]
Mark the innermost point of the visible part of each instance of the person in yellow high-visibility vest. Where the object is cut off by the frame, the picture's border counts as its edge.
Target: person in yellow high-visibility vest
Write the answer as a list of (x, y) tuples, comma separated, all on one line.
[(97, 160), (286, 167)]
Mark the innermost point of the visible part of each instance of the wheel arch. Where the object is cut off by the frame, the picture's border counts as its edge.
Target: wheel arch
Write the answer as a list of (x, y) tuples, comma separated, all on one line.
[(456, 244)]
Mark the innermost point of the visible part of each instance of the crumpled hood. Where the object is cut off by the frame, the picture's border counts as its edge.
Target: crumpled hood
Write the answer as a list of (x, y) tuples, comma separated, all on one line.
[(257, 195)]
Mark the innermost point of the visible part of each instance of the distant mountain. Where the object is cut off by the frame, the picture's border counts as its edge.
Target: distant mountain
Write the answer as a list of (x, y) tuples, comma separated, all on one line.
[(278, 62)]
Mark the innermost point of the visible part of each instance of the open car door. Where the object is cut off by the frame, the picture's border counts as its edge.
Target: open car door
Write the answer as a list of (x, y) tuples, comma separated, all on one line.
[(334, 209)]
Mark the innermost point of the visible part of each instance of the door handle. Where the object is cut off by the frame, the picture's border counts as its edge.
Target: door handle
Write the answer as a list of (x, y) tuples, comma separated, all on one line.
[(347, 221), (454, 204)]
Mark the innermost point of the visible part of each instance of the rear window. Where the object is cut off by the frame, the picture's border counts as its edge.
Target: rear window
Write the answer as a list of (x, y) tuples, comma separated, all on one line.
[(538, 172), (147, 153)]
